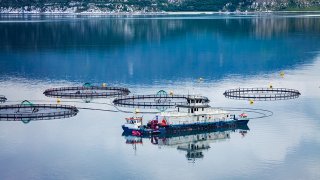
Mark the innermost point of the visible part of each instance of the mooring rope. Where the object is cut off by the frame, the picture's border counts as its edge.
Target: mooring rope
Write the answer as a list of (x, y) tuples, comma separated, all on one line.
[(263, 112), (66, 101), (94, 109)]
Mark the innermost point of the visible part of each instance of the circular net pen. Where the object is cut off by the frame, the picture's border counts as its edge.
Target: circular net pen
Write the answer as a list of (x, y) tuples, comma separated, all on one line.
[(86, 92), (262, 94), (2, 99), (27, 111), (160, 102)]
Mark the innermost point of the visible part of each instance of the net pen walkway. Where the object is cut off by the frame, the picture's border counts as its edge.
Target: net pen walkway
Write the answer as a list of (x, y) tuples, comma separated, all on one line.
[(262, 94)]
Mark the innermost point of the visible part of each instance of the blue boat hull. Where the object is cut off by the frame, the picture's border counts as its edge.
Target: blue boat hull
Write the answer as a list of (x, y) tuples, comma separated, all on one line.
[(144, 131), (173, 129), (203, 126)]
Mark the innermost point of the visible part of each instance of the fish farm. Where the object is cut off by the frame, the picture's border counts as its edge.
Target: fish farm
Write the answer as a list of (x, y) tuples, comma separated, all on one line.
[(262, 94), (2, 99), (158, 101), (87, 91), (27, 111)]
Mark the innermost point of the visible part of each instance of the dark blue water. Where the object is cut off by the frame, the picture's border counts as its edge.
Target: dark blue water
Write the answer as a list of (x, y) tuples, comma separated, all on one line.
[(149, 53)]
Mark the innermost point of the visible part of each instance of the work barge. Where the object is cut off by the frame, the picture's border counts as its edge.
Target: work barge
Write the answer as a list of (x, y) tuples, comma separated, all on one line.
[(194, 115)]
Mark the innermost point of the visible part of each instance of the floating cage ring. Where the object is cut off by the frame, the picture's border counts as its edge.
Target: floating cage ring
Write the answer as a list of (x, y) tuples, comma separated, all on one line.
[(162, 93), (161, 97), (262, 94), (156, 101), (87, 91), (27, 111), (2, 99), (87, 84)]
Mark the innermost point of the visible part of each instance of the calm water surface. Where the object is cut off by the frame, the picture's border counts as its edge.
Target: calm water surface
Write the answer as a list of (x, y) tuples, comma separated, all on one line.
[(147, 54)]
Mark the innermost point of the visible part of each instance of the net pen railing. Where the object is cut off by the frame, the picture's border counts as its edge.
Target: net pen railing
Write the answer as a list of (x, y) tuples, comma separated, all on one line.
[(15, 114), (262, 93), (156, 100), (67, 92)]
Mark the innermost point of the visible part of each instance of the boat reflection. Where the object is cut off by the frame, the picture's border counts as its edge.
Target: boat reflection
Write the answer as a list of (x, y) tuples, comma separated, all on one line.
[(192, 143)]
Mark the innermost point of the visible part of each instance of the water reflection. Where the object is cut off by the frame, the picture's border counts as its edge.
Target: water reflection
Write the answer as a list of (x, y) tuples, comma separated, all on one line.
[(193, 144), (2, 99), (108, 33), (142, 51), (222, 52)]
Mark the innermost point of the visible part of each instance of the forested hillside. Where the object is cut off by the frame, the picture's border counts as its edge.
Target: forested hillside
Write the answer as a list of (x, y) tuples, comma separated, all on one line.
[(154, 5)]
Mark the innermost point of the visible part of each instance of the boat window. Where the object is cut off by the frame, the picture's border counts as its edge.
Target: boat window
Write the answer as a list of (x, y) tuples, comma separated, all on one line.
[(191, 110), (202, 109)]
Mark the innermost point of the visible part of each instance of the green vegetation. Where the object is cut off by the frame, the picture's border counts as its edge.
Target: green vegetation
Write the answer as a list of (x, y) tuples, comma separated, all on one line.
[(312, 8), (160, 5)]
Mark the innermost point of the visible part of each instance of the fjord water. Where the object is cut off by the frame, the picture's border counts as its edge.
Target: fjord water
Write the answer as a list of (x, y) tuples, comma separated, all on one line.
[(147, 54)]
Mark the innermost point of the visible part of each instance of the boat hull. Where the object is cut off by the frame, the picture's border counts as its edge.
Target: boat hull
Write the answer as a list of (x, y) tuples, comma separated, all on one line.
[(173, 129), (142, 131), (203, 126)]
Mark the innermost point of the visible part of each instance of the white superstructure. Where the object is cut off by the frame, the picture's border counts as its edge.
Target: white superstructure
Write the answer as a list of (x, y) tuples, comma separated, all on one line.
[(133, 123), (196, 111)]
